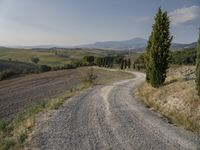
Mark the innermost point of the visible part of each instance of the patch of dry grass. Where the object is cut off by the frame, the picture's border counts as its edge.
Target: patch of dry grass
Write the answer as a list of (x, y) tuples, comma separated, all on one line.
[(176, 100)]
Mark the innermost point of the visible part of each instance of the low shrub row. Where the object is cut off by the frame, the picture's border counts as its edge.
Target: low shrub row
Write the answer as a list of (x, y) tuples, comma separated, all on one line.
[(6, 74), (11, 68)]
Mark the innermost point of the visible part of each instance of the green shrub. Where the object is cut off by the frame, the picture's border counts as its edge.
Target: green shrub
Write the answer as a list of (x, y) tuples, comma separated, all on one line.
[(76, 64), (7, 144), (18, 67), (6, 74), (185, 56), (89, 59), (56, 68), (44, 68), (35, 60), (198, 66), (22, 137), (3, 125), (90, 76)]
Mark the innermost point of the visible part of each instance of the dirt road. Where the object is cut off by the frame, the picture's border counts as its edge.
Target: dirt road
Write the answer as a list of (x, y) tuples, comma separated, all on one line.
[(108, 117)]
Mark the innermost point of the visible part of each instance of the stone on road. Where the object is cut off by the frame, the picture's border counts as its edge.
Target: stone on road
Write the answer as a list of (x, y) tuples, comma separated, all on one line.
[(109, 117)]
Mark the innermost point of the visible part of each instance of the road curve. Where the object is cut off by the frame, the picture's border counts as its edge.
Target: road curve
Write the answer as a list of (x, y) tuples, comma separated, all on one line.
[(109, 117)]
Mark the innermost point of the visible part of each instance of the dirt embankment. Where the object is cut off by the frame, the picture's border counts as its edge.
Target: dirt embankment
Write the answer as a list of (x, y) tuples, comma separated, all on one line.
[(17, 94), (177, 99)]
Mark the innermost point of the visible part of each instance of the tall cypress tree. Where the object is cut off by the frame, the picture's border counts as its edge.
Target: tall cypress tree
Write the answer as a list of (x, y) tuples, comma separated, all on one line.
[(147, 65), (129, 63), (122, 65), (125, 63), (158, 50), (198, 66)]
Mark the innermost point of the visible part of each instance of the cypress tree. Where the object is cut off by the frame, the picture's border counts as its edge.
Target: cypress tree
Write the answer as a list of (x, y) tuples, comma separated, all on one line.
[(125, 63), (129, 63), (148, 67), (122, 65), (158, 50), (198, 66), (104, 62), (134, 65)]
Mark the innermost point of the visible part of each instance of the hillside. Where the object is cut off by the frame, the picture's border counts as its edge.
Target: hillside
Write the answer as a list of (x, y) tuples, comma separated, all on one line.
[(177, 99), (135, 44), (51, 56), (17, 66)]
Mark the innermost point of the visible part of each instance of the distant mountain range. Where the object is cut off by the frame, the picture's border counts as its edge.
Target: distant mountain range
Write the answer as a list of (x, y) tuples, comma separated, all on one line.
[(33, 47), (135, 44), (178, 46)]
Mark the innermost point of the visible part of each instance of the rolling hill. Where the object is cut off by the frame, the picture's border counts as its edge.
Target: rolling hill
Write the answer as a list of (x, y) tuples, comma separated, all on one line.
[(135, 44)]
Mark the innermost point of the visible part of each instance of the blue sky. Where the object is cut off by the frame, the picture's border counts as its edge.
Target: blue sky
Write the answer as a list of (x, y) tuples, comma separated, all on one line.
[(75, 22)]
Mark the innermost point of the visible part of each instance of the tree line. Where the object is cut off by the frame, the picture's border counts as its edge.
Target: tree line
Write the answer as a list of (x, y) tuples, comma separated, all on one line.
[(186, 56), (108, 61)]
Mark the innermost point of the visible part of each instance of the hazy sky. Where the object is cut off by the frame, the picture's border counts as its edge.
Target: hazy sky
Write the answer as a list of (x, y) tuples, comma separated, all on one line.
[(75, 22)]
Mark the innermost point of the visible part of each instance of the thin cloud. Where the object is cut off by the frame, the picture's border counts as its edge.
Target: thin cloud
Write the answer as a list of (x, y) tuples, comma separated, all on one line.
[(183, 15)]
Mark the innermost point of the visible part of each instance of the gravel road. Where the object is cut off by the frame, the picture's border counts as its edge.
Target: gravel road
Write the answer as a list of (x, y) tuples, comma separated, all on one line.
[(109, 117)]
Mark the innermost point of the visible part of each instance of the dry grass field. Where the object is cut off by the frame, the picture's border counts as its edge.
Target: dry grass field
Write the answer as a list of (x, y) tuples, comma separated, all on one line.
[(177, 99)]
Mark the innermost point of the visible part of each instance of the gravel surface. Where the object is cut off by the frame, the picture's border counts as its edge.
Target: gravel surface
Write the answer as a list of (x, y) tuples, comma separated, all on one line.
[(108, 117)]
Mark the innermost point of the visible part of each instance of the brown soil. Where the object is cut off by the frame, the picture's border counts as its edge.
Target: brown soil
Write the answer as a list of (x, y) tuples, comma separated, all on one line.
[(20, 93)]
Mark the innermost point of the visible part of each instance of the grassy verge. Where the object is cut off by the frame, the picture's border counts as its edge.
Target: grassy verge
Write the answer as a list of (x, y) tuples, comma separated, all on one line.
[(13, 134), (177, 100)]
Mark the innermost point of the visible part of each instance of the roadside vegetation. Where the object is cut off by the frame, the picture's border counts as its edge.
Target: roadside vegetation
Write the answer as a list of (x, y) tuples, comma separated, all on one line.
[(183, 57), (177, 99), (6, 74), (173, 92), (90, 76), (198, 66)]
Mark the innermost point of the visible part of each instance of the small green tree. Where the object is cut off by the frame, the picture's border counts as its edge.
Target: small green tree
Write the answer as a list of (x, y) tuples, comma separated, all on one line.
[(125, 63), (134, 65), (90, 76), (35, 60), (158, 50), (129, 63), (44, 68), (89, 59), (122, 65), (198, 66), (118, 60)]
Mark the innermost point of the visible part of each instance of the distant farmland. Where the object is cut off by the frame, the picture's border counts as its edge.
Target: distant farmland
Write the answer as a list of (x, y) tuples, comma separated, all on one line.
[(52, 56)]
